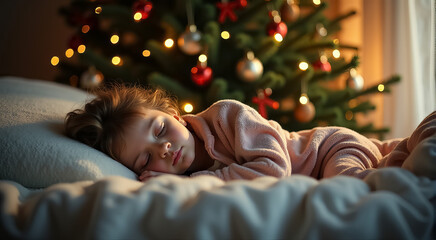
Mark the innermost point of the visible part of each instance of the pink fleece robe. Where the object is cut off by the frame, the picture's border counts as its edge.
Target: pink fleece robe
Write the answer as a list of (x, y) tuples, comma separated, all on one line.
[(244, 145)]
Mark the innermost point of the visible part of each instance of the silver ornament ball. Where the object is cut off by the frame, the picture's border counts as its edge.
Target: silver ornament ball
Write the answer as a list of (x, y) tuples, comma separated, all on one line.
[(250, 68), (355, 80), (189, 42), (91, 79)]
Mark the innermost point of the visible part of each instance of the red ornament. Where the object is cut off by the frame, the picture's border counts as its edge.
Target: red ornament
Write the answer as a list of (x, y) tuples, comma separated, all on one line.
[(322, 66), (241, 3), (143, 7), (263, 100), (273, 28), (201, 75), (227, 10)]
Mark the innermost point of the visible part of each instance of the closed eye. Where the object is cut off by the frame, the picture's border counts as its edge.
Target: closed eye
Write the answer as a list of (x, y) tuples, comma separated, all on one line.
[(161, 130)]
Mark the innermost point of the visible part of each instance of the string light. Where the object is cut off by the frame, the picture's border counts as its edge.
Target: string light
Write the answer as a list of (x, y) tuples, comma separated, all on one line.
[(85, 28), (202, 58), (381, 87), (137, 16), (146, 53), (349, 115), (303, 99), (188, 107), (98, 10), (352, 103), (278, 37), (303, 66), (317, 2), (225, 35), (114, 39), (81, 48), (116, 60), (69, 53), (336, 53), (169, 43), (54, 60)]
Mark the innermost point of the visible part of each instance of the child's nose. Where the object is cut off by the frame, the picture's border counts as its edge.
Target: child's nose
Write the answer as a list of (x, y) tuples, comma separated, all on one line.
[(164, 149)]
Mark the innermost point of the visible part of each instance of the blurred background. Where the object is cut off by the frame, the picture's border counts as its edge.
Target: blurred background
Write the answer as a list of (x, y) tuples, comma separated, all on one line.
[(394, 37)]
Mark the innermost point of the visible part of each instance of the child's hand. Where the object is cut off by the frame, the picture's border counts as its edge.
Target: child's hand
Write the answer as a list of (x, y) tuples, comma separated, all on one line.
[(146, 175)]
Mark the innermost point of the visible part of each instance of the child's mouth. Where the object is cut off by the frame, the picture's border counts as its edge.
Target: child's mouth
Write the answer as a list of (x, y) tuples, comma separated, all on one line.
[(177, 155)]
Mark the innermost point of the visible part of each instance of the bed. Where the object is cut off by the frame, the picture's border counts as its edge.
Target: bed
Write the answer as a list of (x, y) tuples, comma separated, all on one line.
[(52, 187)]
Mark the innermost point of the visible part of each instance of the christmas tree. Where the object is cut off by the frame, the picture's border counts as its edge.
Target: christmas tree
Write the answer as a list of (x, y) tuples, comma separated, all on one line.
[(276, 56)]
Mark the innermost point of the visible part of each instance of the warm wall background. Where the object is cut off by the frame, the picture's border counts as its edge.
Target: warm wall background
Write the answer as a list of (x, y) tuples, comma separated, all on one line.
[(31, 33)]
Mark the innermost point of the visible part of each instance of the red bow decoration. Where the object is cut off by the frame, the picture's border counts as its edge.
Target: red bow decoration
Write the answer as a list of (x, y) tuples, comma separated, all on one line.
[(227, 10), (263, 100)]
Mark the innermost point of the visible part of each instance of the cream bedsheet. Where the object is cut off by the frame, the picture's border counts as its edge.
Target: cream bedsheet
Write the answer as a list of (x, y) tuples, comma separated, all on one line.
[(389, 204)]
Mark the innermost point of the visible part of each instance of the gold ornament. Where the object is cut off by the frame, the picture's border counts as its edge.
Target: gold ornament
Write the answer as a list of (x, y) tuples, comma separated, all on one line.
[(249, 68), (304, 112), (289, 11)]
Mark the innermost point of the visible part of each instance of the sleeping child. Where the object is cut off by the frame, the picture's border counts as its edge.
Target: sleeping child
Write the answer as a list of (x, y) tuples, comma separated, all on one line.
[(143, 130)]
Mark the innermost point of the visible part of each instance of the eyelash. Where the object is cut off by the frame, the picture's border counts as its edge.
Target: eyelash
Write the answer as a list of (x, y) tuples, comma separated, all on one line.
[(148, 156), (161, 130)]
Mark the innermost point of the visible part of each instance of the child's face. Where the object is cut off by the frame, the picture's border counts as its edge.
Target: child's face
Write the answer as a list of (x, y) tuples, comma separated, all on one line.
[(157, 141)]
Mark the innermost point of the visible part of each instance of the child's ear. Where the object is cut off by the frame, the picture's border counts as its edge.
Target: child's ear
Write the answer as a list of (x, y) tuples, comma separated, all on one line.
[(180, 119)]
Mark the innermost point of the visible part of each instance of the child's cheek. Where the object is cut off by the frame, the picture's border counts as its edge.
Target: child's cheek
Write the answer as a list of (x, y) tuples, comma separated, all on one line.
[(160, 166)]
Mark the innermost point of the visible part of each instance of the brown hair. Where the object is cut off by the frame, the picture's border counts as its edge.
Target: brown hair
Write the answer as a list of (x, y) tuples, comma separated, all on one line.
[(100, 123)]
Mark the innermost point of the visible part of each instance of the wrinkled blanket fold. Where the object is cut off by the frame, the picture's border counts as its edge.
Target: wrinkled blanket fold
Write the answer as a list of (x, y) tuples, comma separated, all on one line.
[(390, 203)]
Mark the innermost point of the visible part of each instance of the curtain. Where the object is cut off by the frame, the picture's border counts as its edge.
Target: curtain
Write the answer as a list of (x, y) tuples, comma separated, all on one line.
[(409, 50)]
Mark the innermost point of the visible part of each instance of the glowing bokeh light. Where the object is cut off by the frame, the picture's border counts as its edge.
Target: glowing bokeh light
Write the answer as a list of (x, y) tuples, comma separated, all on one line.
[(303, 99), (202, 58), (169, 43), (137, 16), (225, 35), (69, 53), (116, 60), (81, 48), (188, 108), (54, 60), (115, 39), (303, 66), (146, 53)]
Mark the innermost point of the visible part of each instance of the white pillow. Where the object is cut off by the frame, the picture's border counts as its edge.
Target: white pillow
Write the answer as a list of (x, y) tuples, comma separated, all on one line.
[(33, 148)]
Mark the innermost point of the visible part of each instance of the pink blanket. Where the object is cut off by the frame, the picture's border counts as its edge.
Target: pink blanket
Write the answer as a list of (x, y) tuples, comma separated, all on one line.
[(245, 146)]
